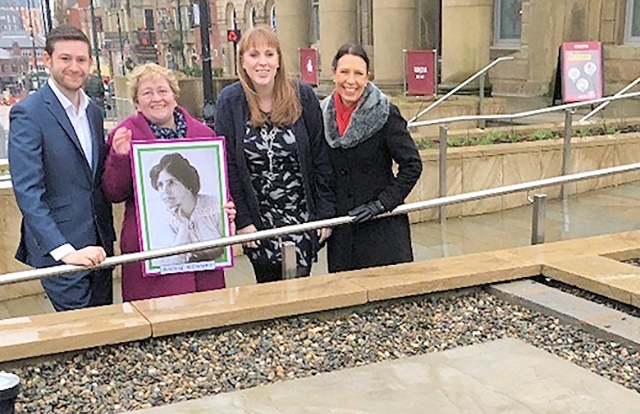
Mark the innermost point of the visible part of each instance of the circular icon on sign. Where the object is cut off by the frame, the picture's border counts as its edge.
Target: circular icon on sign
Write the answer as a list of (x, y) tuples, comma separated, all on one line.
[(590, 68), (574, 74), (582, 84)]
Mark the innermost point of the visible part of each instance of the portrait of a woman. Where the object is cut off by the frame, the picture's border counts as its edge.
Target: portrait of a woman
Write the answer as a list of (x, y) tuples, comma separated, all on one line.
[(195, 217)]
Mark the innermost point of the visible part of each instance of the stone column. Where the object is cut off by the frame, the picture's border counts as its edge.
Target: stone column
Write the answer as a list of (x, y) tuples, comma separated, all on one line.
[(292, 25), (395, 27), (467, 27), (338, 25)]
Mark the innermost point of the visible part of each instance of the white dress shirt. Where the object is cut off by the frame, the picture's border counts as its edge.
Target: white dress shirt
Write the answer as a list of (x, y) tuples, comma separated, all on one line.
[(80, 123)]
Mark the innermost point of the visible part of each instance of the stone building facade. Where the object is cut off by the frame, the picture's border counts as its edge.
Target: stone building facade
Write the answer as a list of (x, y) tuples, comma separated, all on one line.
[(469, 34)]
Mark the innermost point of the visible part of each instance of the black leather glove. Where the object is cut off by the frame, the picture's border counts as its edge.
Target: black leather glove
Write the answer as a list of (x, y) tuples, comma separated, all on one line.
[(367, 211)]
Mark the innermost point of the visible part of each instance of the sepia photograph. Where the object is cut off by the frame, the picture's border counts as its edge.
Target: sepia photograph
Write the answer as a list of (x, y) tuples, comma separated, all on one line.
[(180, 189)]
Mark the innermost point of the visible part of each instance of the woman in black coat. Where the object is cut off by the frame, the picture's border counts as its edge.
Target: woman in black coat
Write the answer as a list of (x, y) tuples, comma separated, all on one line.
[(367, 134), (278, 162)]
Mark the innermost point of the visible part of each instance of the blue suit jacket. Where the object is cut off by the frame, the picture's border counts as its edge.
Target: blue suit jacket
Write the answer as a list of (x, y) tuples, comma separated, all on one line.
[(58, 192)]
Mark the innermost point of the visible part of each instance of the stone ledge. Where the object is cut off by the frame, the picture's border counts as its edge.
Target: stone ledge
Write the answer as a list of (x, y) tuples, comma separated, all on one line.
[(601, 275), (67, 331), (232, 306), (592, 317)]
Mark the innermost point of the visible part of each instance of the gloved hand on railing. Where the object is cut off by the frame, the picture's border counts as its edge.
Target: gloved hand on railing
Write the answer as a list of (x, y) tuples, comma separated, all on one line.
[(367, 211)]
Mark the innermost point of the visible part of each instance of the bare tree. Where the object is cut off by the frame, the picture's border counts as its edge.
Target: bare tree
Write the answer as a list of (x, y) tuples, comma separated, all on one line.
[(60, 12)]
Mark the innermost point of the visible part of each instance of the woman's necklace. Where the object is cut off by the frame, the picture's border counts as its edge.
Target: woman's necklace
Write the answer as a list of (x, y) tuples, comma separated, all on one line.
[(268, 136)]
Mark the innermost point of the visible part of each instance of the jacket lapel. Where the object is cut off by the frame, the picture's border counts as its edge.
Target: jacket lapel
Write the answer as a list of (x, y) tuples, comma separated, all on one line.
[(96, 140), (56, 109)]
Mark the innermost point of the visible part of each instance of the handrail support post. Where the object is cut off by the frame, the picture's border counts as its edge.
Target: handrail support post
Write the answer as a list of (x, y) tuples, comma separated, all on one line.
[(539, 217), (442, 170), (566, 149), (289, 263), (482, 123)]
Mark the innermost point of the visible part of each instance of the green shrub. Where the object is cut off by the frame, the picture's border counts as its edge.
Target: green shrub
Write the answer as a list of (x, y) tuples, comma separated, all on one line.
[(218, 71), (611, 130), (541, 134), (584, 132)]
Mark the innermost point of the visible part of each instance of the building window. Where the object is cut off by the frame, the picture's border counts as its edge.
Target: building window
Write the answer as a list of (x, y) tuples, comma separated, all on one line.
[(252, 16), (148, 19), (632, 26), (365, 22), (315, 21), (272, 15), (508, 22)]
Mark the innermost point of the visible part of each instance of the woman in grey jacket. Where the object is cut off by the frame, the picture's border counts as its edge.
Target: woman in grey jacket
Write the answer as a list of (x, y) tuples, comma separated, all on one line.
[(367, 134)]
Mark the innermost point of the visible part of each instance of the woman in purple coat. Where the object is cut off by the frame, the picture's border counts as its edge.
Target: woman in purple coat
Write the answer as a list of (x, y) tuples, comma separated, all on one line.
[(154, 90)]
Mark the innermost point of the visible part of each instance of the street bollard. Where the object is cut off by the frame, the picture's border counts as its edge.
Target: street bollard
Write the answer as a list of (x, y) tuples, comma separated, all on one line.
[(9, 390)]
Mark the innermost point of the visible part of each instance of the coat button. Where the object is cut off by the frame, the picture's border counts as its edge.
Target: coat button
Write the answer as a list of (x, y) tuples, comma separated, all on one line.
[(343, 172)]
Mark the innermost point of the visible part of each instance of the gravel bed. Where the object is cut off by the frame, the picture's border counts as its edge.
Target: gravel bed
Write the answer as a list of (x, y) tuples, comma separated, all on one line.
[(167, 370)]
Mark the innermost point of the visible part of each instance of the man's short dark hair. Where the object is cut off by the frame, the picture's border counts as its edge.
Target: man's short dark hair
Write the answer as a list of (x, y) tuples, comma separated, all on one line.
[(65, 32)]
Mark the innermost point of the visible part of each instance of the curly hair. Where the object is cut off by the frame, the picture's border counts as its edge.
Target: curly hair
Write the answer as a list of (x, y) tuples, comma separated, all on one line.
[(179, 167), (151, 71)]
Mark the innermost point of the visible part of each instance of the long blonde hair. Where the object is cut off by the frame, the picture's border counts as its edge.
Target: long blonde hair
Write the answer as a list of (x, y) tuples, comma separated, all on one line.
[(286, 100)]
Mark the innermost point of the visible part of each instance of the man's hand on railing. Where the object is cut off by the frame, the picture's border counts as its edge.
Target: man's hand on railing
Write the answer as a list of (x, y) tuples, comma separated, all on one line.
[(87, 256)]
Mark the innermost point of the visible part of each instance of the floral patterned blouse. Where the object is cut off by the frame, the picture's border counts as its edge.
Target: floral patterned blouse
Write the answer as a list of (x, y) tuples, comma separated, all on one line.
[(271, 154)]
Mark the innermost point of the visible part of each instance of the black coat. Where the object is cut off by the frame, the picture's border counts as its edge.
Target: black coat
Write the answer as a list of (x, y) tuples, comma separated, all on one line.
[(364, 173), (231, 119)]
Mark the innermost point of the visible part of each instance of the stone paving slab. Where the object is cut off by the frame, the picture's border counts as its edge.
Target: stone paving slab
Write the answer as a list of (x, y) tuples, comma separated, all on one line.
[(504, 376), (598, 319), (601, 275)]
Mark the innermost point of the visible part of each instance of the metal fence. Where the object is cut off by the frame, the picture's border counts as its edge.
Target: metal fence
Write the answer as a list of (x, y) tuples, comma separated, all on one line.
[(441, 202), (566, 147), (274, 233)]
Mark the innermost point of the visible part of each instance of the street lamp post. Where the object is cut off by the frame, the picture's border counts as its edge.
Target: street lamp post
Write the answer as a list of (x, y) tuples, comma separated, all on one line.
[(33, 47), (180, 28), (96, 47), (47, 9), (209, 108), (115, 6)]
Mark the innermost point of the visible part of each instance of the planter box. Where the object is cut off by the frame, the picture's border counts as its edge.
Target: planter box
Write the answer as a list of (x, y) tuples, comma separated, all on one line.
[(489, 166)]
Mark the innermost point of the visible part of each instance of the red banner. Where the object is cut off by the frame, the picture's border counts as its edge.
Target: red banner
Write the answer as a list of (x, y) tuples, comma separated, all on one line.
[(309, 66), (421, 72), (582, 75)]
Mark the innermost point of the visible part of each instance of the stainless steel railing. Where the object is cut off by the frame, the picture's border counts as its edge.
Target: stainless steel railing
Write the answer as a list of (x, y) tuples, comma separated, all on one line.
[(403, 209), (482, 72), (509, 117), (604, 104), (566, 147)]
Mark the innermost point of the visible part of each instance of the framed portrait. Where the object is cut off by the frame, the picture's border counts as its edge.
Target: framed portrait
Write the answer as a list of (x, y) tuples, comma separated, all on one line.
[(180, 188)]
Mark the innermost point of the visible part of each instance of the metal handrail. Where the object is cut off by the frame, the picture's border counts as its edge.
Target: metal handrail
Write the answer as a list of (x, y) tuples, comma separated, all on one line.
[(462, 85), (15, 277), (522, 114), (604, 105)]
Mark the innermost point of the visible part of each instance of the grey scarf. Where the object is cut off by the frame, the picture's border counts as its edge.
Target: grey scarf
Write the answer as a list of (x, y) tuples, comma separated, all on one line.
[(370, 115)]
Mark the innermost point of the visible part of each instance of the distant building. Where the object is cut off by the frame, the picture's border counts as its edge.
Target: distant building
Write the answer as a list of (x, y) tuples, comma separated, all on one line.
[(11, 20), (21, 45), (28, 16)]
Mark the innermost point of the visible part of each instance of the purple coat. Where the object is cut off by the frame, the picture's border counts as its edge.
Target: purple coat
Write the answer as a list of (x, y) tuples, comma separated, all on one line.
[(117, 183)]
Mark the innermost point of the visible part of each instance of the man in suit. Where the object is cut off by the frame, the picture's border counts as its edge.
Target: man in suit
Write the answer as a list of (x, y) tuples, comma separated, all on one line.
[(56, 158)]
